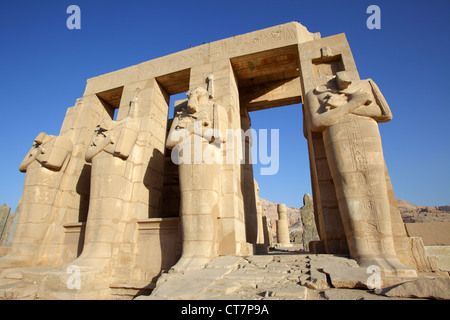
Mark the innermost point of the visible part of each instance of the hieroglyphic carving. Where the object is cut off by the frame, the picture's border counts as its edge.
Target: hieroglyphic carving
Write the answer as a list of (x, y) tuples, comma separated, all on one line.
[(261, 39)]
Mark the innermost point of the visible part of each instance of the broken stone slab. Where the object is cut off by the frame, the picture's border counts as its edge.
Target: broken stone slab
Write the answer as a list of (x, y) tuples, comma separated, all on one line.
[(352, 294), (224, 287), (317, 280), (189, 285), (227, 262), (22, 290), (277, 266), (216, 296), (274, 277), (336, 271), (309, 223), (296, 292), (346, 277), (429, 288), (260, 259), (317, 260), (257, 265)]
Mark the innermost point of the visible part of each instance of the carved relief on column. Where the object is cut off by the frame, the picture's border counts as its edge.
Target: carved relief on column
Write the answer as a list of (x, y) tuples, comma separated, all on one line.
[(346, 112)]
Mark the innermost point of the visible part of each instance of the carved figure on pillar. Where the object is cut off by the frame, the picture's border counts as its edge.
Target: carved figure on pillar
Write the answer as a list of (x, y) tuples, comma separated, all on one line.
[(44, 166), (196, 138), (110, 147), (347, 113)]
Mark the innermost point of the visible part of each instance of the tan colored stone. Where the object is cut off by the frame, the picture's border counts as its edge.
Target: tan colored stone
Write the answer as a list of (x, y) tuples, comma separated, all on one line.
[(432, 233), (106, 196), (282, 226), (297, 292), (437, 288), (346, 112), (441, 254)]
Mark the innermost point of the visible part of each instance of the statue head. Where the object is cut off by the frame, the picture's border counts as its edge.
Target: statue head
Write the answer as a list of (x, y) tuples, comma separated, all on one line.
[(343, 80), (41, 138), (197, 97)]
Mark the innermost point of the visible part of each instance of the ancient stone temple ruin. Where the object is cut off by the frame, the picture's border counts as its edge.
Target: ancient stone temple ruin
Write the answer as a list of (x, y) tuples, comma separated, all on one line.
[(119, 195)]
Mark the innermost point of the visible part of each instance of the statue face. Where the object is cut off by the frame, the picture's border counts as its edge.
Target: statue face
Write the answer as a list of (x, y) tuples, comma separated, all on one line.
[(196, 98), (192, 104), (343, 80)]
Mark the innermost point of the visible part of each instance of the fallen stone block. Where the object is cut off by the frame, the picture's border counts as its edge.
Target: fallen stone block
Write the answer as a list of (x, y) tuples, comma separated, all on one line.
[(352, 294), (317, 280), (346, 277), (437, 288)]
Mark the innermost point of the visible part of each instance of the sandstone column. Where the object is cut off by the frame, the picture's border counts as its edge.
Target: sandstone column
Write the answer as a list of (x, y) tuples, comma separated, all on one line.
[(44, 165), (196, 137), (111, 186), (308, 221), (231, 233), (347, 112), (282, 226), (4, 222)]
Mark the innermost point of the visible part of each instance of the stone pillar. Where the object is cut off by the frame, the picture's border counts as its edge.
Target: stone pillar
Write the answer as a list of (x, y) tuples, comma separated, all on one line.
[(4, 222), (282, 226), (72, 202), (126, 177), (262, 240), (231, 233), (252, 217), (351, 189), (9, 237), (308, 221), (319, 59), (45, 165)]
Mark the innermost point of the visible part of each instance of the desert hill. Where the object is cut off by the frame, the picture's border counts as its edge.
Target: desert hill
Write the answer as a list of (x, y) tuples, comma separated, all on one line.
[(410, 213)]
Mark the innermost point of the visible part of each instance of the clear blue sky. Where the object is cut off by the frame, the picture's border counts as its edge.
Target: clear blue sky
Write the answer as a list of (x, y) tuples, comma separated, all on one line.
[(44, 67)]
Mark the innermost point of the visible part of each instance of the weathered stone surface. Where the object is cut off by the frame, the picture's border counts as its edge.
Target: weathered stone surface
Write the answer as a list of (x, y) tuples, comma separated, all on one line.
[(283, 239), (346, 277), (104, 195), (294, 292), (432, 233), (18, 291), (227, 262), (317, 280), (308, 221), (441, 254), (424, 262), (346, 111), (437, 288), (5, 222), (351, 294), (188, 285)]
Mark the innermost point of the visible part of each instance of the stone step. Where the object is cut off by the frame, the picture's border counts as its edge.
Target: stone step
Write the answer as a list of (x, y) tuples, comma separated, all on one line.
[(224, 287)]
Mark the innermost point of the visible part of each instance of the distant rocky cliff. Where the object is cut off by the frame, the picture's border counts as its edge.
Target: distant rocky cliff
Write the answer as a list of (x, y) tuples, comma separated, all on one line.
[(410, 213), (413, 213)]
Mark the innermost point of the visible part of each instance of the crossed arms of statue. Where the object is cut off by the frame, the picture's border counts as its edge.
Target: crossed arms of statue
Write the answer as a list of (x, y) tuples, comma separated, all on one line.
[(116, 138), (328, 106)]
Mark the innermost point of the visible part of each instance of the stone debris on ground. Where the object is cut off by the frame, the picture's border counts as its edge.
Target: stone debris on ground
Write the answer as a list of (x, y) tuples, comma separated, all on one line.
[(289, 274)]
